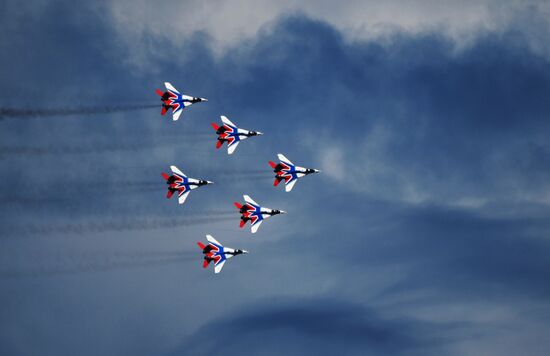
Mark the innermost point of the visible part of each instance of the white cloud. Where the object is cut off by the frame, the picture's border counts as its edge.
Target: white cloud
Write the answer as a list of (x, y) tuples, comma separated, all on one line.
[(229, 22)]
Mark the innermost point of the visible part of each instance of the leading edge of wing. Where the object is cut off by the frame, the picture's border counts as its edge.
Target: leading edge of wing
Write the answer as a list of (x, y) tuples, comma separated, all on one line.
[(177, 171), (232, 147), (250, 200), (183, 197), (226, 121), (256, 226), (211, 239), (290, 185), (219, 266), (171, 87), (284, 159), (176, 114)]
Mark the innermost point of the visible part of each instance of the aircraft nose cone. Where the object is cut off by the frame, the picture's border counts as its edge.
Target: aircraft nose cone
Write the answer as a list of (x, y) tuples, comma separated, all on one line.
[(209, 182), (316, 170), (245, 251), (203, 99), (259, 133), (283, 212)]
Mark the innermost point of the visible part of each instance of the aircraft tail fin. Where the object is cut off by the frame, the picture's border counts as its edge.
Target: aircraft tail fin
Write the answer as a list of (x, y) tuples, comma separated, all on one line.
[(272, 164), (205, 263), (242, 223), (165, 176), (201, 245), (164, 109), (169, 194), (215, 126), (238, 205), (160, 93), (219, 144), (276, 182)]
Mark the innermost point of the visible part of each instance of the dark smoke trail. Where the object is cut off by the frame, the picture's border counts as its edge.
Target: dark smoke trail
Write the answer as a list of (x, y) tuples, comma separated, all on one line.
[(80, 149), (69, 111), (142, 224), (31, 195), (104, 264)]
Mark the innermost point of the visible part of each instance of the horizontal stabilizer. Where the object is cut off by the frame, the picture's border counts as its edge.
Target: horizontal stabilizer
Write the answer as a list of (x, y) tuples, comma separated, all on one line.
[(238, 205), (205, 263), (215, 126), (219, 144), (272, 164), (201, 245), (242, 223), (276, 182), (169, 194), (159, 93), (165, 175)]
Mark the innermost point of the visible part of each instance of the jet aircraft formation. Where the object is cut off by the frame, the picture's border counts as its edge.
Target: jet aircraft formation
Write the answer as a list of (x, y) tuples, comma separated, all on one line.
[(228, 132)]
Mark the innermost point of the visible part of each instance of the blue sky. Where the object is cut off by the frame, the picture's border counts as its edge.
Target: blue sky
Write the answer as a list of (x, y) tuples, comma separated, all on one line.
[(426, 233)]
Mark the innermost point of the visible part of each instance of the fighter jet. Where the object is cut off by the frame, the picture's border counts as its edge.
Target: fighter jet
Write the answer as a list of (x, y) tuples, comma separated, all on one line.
[(230, 133), (289, 172), (253, 212), (179, 182), (214, 251), (172, 98)]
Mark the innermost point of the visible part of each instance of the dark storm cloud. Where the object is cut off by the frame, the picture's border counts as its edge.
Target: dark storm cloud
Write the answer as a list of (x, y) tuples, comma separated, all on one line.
[(460, 123), (456, 254), (315, 326)]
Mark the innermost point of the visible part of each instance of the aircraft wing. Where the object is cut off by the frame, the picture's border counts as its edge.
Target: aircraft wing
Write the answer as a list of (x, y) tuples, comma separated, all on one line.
[(176, 114), (283, 159), (290, 184), (256, 226), (232, 147), (226, 121), (183, 196), (170, 87), (219, 266), (211, 239), (177, 171), (249, 200)]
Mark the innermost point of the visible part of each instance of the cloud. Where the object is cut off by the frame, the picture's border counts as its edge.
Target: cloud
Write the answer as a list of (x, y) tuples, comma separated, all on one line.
[(314, 326), (228, 23), (435, 208)]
